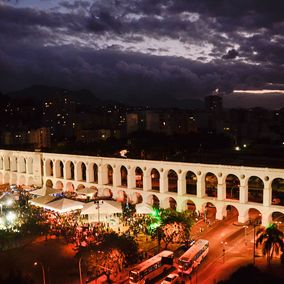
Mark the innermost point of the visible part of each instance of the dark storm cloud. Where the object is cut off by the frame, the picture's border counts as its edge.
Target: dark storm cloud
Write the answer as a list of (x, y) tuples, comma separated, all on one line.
[(64, 47)]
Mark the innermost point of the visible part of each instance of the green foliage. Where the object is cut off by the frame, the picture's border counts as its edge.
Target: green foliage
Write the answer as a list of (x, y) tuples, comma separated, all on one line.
[(169, 225), (271, 240)]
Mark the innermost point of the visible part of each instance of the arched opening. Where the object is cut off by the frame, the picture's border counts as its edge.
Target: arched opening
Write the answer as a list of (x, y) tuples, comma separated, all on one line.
[(49, 168), (1, 163), (59, 185), (70, 187), (209, 212), (30, 165), (107, 193), (232, 187), (155, 180), (121, 196), (255, 216), (139, 177), (211, 183), (49, 183), (170, 203), (232, 213), (13, 161), (7, 163), (255, 189), (172, 181), (61, 169), (95, 173), (136, 198), (190, 206), (70, 172), (153, 200), (278, 191), (109, 175), (80, 186), (22, 165), (83, 172), (278, 219), (191, 181), (123, 173)]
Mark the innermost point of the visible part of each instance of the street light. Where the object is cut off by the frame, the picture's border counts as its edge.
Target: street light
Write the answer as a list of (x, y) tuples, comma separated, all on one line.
[(42, 268), (224, 250), (98, 207), (80, 270)]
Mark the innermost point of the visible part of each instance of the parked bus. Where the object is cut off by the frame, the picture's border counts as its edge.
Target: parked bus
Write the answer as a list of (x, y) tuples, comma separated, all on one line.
[(151, 268), (193, 256)]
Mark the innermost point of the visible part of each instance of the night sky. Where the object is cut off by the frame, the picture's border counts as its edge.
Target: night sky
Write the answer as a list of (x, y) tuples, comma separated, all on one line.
[(146, 50)]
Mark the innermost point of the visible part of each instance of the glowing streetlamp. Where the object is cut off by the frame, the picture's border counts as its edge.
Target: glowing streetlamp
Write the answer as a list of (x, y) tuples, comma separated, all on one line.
[(43, 271), (98, 207)]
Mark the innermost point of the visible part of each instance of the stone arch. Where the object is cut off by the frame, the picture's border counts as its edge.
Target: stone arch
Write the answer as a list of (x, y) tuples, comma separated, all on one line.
[(136, 198), (81, 171), (1, 178), (107, 193), (232, 187), (255, 216), (278, 219), (107, 175), (31, 181), (153, 200), (211, 183), (49, 183), (70, 170), (93, 172), (189, 205), (13, 164), (155, 180), (191, 183), (121, 196), (255, 189), (6, 163), (209, 211), (30, 165), (22, 165), (6, 178), (59, 169), (49, 168), (123, 175), (70, 187), (80, 186), (172, 181), (232, 212), (277, 186), (1, 163), (138, 177), (170, 203), (59, 185), (22, 180)]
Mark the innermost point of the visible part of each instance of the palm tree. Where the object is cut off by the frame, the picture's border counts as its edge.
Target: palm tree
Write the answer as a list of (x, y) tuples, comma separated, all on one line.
[(271, 239)]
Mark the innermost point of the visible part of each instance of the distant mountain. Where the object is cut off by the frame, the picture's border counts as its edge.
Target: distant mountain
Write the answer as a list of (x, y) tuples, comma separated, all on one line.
[(42, 93)]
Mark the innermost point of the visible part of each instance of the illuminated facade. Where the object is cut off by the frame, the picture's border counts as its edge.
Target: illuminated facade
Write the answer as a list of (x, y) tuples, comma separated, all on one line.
[(171, 184)]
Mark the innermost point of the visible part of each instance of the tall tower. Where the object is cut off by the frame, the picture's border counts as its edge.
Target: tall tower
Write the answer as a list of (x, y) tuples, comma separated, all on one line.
[(214, 103)]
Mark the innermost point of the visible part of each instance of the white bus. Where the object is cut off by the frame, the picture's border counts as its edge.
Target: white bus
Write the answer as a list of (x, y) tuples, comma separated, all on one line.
[(193, 256), (151, 268)]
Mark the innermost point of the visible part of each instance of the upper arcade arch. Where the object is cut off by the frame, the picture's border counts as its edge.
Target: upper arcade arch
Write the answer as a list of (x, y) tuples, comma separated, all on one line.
[(255, 189), (232, 187), (211, 184), (277, 186)]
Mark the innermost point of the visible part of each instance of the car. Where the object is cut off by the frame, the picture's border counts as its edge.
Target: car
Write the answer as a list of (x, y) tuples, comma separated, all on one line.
[(171, 278)]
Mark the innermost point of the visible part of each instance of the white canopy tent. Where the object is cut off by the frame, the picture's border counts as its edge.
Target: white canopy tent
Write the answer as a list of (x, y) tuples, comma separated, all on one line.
[(42, 200), (143, 208), (64, 205), (45, 191), (101, 211)]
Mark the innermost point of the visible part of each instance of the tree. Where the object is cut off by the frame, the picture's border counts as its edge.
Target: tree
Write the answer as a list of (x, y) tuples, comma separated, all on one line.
[(271, 240), (109, 253), (170, 226)]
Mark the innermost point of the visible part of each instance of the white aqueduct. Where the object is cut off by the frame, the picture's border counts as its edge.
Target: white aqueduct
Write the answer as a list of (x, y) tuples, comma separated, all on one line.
[(171, 184)]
